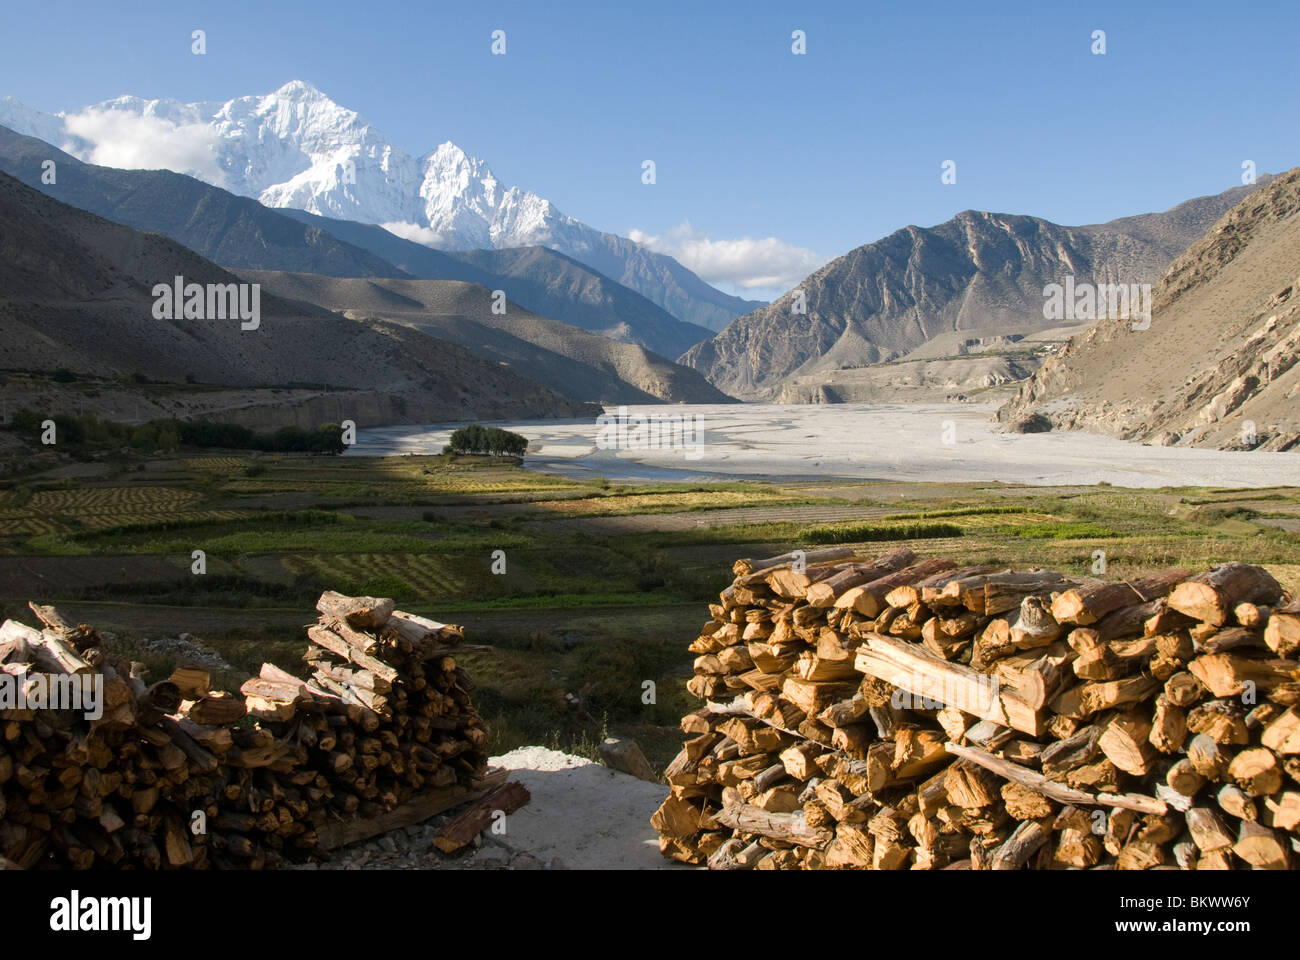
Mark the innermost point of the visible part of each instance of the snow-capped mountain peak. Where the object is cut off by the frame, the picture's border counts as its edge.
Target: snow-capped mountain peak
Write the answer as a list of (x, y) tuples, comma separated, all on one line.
[(297, 148)]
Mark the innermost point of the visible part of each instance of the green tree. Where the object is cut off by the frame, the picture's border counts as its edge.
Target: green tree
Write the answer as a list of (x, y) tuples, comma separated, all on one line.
[(490, 441)]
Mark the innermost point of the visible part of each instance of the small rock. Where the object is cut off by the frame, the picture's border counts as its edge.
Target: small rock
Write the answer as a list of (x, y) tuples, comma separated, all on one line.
[(388, 844), (525, 861), (622, 753), (491, 856), (1034, 423)]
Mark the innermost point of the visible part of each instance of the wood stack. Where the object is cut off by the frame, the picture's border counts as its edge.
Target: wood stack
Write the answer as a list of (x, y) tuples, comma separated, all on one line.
[(175, 775), (385, 715), (119, 790), (890, 713)]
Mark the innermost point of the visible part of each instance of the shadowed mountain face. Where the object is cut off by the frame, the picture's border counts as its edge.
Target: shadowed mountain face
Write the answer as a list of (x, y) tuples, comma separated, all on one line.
[(76, 291), (1219, 364), (568, 360), (537, 278), (241, 234), (563, 289), (233, 231), (978, 273)]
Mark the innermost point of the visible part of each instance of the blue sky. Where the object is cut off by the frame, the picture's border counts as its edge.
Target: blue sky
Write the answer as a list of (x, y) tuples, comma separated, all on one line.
[(820, 152)]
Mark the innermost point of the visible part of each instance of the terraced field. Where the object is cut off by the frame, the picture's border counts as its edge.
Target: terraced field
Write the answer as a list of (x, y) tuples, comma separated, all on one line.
[(223, 466), (102, 508), (431, 578), (640, 504), (603, 584), (30, 526), (112, 501)]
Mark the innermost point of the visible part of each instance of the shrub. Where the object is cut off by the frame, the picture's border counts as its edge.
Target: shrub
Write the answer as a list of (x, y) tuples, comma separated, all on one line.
[(864, 532), (25, 421), (491, 441)]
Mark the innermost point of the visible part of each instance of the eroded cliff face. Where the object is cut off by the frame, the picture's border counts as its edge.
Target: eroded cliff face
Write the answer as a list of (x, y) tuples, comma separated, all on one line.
[(981, 274), (1219, 363)]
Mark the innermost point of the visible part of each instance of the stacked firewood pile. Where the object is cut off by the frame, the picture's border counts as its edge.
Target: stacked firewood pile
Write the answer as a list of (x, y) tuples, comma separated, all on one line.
[(174, 775), (386, 713), (893, 714)]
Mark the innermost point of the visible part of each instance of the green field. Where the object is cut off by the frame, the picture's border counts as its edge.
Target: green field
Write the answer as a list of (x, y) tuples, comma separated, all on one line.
[(604, 585)]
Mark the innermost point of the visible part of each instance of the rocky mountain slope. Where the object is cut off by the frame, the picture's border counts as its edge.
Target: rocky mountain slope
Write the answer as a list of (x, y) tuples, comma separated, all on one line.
[(980, 274), (570, 361), (76, 291), (229, 230), (544, 281), (561, 288), (239, 233), (297, 148), (1219, 365)]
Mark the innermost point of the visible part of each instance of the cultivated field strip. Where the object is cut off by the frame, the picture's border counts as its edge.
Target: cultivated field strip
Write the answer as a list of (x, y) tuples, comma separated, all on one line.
[(427, 576), (109, 501), (222, 466)]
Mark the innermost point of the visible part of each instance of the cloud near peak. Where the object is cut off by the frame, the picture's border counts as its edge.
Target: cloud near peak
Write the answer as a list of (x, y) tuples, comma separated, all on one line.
[(752, 264), (414, 232), (116, 139)]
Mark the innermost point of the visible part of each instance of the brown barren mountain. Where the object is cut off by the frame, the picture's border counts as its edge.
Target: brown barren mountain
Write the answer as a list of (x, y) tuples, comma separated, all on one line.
[(76, 292), (1218, 366), (978, 275), (569, 360)]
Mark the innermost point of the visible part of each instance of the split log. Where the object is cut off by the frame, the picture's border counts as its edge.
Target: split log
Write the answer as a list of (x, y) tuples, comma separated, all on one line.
[(869, 598), (363, 613), (787, 827), (741, 567), (1211, 597), (825, 592), (1282, 634), (1049, 788), (923, 675), (461, 830)]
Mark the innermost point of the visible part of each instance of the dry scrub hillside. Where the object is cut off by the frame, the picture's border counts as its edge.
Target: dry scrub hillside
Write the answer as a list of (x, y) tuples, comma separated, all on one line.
[(1217, 366)]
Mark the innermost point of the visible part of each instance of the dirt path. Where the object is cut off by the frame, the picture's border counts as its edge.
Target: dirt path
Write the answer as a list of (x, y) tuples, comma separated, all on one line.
[(581, 816)]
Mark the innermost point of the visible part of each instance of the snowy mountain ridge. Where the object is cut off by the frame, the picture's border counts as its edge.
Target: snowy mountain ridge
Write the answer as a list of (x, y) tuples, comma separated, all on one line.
[(299, 149)]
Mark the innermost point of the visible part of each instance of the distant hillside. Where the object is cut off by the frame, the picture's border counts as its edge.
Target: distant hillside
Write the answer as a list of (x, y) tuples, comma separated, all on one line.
[(76, 292), (981, 274), (561, 288), (570, 361), (241, 234), (1219, 365), (539, 279)]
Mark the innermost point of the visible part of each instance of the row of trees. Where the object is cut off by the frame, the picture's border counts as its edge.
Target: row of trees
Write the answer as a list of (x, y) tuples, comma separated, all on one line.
[(327, 438), (166, 434), (491, 441)]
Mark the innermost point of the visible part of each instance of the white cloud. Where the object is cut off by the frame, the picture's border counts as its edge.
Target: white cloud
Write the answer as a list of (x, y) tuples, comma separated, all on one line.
[(762, 264), (413, 231), (118, 139)]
